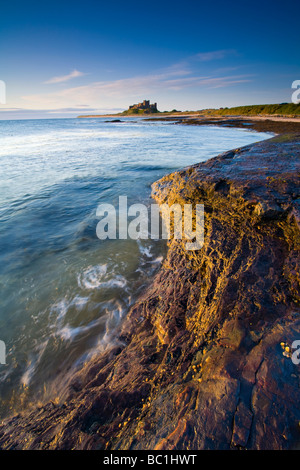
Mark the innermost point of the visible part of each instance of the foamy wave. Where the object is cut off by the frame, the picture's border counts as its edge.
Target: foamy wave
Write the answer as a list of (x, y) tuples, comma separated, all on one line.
[(95, 277), (92, 277), (144, 250), (68, 333), (113, 317), (33, 363), (60, 308)]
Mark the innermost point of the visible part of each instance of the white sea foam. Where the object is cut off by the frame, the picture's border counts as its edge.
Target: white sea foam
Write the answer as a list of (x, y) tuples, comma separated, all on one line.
[(114, 314), (96, 277), (68, 332), (92, 276), (60, 308), (33, 363), (144, 249)]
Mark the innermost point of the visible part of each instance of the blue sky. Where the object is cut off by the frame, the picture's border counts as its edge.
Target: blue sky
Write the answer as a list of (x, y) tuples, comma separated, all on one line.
[(64, 58)]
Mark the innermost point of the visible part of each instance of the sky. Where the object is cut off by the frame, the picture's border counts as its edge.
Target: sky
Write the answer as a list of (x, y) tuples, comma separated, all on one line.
[(68, 58)]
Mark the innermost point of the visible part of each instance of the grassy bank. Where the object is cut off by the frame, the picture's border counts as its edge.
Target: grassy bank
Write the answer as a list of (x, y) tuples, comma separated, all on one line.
[(283, 109)]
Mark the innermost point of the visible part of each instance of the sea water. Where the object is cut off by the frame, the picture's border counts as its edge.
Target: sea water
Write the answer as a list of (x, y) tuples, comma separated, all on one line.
[(63, 292)]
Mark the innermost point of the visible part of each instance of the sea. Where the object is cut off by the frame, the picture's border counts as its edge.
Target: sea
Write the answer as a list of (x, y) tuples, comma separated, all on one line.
[(63, 291)]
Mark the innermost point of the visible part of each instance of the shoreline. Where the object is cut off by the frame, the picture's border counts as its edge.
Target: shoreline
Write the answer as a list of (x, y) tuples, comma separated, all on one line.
[(201, 348), (274, 124), (193, 115)]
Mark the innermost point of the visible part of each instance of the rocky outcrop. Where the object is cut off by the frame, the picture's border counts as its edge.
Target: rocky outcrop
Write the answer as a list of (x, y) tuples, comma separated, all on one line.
[(204, 357)]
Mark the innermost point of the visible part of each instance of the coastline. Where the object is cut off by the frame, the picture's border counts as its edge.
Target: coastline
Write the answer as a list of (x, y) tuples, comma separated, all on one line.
[(201, 348), (268, 123), (274, 124)]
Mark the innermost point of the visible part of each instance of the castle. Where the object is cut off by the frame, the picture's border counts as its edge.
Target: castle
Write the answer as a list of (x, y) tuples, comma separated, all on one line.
[(146, 106)]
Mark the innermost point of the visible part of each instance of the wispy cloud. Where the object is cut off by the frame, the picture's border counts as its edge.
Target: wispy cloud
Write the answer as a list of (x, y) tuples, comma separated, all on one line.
[(214, 55), (64, 78), (131, 88), (190, 73)]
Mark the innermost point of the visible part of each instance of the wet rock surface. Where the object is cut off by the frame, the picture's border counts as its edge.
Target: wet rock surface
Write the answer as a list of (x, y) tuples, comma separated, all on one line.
[(204, 359), (281, 126), (264, 125)]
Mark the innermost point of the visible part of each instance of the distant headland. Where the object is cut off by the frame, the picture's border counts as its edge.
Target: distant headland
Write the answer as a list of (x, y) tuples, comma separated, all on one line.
[(282, 110), (277, 118)]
